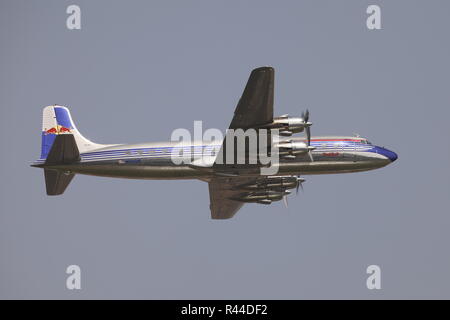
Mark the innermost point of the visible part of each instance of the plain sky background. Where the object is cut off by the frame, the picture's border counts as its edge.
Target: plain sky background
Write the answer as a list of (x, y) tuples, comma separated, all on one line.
[(139, 69)]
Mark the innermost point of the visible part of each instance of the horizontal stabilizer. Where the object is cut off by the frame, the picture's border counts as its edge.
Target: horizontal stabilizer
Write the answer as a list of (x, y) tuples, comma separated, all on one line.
[(64, 150), (56, 181)]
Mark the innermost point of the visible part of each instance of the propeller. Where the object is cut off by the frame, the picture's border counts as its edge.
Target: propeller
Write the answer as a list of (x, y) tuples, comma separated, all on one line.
[(287, 192), (305, 117), (299, 184)]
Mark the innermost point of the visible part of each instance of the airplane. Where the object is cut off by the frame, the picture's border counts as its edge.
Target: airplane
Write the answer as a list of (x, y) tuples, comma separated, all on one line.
[(65, 152)]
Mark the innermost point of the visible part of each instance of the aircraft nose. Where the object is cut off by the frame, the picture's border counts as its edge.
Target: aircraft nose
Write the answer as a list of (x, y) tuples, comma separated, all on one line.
[(391, 155)]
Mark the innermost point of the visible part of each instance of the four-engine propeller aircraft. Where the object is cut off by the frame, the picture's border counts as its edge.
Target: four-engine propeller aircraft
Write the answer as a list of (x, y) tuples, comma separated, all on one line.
[(65, 152)]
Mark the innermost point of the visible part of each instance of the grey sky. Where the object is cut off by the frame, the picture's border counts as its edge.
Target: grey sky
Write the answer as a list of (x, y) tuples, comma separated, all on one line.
[(139, 69)]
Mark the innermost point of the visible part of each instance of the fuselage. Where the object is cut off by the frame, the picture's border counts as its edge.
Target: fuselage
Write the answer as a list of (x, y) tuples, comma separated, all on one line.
[(154, 160)]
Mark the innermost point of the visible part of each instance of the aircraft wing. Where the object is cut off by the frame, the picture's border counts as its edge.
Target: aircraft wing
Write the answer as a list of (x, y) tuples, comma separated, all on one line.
[(222, 207), (254, 109), (256, 104), (224, 192)]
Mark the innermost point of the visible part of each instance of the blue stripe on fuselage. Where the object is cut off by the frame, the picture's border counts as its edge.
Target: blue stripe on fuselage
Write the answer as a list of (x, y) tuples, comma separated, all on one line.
[(164, 152)]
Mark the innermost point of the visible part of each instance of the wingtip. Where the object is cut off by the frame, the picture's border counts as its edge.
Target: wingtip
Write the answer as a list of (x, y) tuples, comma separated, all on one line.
[(264, 69)]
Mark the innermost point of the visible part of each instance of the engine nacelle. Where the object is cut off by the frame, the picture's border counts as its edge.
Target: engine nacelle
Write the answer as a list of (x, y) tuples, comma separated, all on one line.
[(288, 126), (264, 197), (272, 183), (293, 148)]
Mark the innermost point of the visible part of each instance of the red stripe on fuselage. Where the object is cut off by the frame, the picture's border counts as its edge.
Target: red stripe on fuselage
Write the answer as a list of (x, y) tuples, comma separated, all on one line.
[(337, 140)]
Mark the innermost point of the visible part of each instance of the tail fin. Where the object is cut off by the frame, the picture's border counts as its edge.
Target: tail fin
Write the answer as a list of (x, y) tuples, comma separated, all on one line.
[(61, 144), (56, 120)]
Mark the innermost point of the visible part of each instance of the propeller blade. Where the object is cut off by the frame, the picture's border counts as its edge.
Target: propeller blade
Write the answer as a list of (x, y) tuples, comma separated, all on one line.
[(308, 136), (305, 117), (299, 184), (285, 201)]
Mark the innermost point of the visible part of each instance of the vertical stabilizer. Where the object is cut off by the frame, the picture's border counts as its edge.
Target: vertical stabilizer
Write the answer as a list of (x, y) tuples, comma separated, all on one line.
[(56, 120)]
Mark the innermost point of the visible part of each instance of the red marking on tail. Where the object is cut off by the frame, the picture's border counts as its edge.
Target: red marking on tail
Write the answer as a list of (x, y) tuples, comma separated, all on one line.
[(51, 131)]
